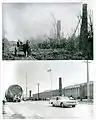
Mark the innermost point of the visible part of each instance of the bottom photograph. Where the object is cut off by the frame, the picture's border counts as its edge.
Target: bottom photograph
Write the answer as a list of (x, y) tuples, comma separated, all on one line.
[(48, 89)]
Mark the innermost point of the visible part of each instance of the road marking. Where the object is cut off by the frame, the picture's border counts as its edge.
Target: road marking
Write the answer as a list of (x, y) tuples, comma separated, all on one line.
[(38, 116)]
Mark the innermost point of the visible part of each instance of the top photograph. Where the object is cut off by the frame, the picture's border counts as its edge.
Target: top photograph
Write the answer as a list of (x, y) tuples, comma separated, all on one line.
[(47, 31)]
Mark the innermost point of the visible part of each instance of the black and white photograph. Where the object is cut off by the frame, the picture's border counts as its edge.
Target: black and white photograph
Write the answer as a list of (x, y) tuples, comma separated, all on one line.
[(48, 89), (47, 31), (47, 67)]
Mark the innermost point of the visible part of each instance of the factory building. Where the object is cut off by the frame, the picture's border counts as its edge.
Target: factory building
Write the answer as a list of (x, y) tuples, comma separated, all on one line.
[(76, 91)]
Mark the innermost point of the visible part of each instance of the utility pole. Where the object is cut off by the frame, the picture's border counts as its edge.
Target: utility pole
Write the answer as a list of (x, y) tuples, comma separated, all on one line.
[(38, 89), (26, 84), (88, 88), (88, 91)]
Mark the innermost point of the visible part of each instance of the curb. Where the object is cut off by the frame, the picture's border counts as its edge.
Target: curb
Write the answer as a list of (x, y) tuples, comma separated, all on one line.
[(88, 103)]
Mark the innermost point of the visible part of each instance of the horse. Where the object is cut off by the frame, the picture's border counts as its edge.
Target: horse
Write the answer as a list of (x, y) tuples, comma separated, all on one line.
[(26, 49), (23, 47)]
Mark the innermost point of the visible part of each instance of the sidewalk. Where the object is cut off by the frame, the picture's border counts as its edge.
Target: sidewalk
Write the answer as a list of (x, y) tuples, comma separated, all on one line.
[(9, 114), (85, 101)]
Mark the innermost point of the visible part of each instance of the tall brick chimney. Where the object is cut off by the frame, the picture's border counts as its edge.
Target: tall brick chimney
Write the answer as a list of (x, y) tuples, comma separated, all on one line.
[(60, 86), (58, 28), (84, 30), (30, 92)]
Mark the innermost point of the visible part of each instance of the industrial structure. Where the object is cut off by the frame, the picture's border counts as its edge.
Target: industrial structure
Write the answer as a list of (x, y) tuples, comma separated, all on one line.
[(76, 91), (86, 33), (13, 92), (30, 93), (84, 29), (58, 28), (60, 86)]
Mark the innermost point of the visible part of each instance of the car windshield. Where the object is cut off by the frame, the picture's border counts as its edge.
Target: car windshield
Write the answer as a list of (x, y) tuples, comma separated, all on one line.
[(64, 98), (71, 98)]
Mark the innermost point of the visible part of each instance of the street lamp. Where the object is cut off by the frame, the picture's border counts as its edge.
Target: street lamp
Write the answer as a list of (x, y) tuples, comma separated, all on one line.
[(38, 84), (50, 71), (26, 84)]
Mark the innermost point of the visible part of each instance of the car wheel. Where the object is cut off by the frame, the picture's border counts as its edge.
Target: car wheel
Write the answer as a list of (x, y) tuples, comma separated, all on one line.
[(18, 100), (14, 101), (73, 105), (53, 105), (62, 105)]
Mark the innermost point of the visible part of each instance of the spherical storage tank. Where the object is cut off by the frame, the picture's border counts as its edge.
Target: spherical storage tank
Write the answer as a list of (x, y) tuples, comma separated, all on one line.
[(12, 91)]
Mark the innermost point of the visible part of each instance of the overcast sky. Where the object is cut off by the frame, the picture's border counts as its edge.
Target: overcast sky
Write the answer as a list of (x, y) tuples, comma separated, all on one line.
[(72, 72), (31, 20)]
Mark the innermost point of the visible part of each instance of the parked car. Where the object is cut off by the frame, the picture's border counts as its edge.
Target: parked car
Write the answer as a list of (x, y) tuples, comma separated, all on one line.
[(63, 102), (26, 98), (47, 99)]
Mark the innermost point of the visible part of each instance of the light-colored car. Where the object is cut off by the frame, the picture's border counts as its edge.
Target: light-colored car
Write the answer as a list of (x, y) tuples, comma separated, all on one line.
[(63, 102), (52, 100)]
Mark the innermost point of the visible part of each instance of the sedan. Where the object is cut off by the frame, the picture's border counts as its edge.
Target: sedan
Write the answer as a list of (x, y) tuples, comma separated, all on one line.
[(64, 102)]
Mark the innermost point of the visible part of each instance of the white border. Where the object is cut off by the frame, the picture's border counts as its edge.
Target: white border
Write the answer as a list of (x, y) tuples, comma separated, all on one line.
[(44, 1), (91, 2)]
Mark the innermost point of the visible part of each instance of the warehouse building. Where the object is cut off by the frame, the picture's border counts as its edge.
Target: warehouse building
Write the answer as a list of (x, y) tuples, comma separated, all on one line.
[(76, 91)]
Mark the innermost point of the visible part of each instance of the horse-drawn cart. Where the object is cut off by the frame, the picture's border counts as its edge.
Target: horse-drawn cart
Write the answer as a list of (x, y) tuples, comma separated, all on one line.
[(22, 49)]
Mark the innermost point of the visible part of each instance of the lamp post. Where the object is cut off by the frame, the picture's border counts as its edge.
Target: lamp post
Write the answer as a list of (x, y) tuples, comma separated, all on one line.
[(38, 84), (50, 71), (26, 84)]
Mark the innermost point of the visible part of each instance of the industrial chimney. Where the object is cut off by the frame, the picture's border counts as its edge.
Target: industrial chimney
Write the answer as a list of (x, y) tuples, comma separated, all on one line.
[(58, 28), (60, 86), (84, 30), (30, 92)]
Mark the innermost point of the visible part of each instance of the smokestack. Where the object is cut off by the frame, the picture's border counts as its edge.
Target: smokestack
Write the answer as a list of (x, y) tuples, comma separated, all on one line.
[(30, 93), (58, 28), (60, 86), (84, 30)]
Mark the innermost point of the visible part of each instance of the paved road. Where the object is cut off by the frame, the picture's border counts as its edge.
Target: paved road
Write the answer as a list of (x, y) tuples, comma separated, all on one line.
[(41, 109)]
